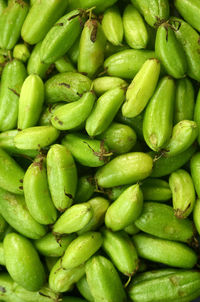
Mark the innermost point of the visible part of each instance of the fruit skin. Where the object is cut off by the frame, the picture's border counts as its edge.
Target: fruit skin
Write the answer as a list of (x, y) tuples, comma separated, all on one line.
[(190, 10)]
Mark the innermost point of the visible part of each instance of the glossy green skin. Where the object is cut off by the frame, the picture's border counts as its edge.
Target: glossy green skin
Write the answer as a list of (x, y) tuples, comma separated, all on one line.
[(51, 246), (2, 258), (91, 48), (189, 40), (100, 6), (183, 136), (86, 151), (112, 25), (60, 37), (37, 195), (158, 118), (10, 31), (74, 114), (35, 65), (103, 84), (35, 138), (165, 165), (152, 274), (25, 268), (67, 87), (61, 280), (99, 206), (62, 176), (190, 11), (171, 253), (30, 102), (11, 174), (73, 219), (73, 52), (197, 114), (141, 88), (159, 220), (85, 189), (135, 122), (115, 192), (156, 189), (195, 171), (13, 76), (126, 63), (130, 203), (112, 49), (64, 65), (119, 138), (170, 52), (119, 247), (131, 229), (196, 215), (184, 100), (135, 30), (183, 193), (104, 281), (104, 111), (45, 118), (41, 17), (125, 169), (81, 249), (83, 288), (14, 210), (179, 286), (152, 10), (21, 52), (7, 144)]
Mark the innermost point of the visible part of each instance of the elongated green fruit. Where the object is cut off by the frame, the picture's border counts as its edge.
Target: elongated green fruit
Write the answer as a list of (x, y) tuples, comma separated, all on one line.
[(11, 174), (67, 87), (86, 151), (125, 209), (141, 88), (197, 114), (41, 17), (91, 48), (21, 52), (112, 25), (37, 195), (189, 40), (153, 11), (126, 63), (73, 52), (176, 286), (30, 102), (159, 220), (135, 122), (13, 76), (64, 64), (104, 111), (103, 84), (190, 11), (3, 5), (125, 169), (84, 289), (62, 176), (196, 215), (45, 118), (165, 165), (156, 189), (184, 100), (119, 138), (2, 258), (171, 253), (11, 22), (104, 281), (131, 229), (73, 219), (121, 251), (35, 65), (150, 275), (81, 249), (25, 268), (14, 210), (3, 226), (100, 6), (53, 246), (85, 188), (195, 171), (112, 49), (61, 280), (99, 207), (61, 37), (183, 136), (74, 114), (135, 30), (158, 118), (35, 138), (183, 193)]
